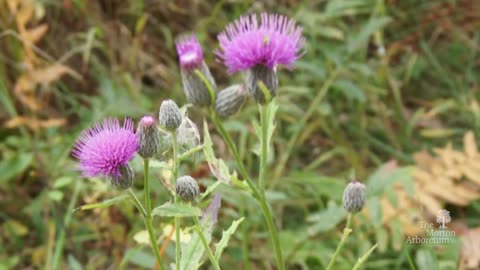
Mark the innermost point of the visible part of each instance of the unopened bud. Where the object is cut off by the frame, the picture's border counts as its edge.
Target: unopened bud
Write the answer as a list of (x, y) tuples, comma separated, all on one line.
[(230, 100), (170, 116), (187, 188), (148, 137), (354, 197), (264, 74), (191, 60), (124, 178), (195, 88)]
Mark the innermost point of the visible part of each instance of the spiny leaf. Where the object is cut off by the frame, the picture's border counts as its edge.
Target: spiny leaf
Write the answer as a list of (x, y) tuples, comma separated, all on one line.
[(220, 246), (193, 250), (176, 210), (103, 204)]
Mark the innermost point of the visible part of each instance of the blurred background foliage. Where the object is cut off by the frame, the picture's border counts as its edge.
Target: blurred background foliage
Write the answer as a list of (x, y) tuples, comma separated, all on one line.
[(387, 89)]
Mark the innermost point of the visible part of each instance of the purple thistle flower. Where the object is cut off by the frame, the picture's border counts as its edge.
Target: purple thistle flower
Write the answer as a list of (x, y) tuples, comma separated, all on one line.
[(275, 41), (106, 148), (189, 52)]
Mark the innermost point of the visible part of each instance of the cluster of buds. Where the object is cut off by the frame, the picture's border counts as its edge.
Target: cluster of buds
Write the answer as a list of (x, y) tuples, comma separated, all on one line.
[(255, 47)]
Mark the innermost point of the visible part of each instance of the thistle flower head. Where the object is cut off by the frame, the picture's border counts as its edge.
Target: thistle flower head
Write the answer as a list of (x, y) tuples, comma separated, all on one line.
[(106, 148), (189, 52), (245, 43)]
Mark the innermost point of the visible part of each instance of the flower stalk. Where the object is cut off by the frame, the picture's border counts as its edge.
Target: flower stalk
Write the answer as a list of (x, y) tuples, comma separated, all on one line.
[(147, 219), (346, 232), (203, 239), (177, 219)]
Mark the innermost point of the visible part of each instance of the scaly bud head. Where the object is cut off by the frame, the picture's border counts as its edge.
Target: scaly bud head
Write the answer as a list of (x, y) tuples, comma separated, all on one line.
[(268, 76), (169, 116), (230, 100), (148, 137), (354, 197), (187, 188), (124, 178)]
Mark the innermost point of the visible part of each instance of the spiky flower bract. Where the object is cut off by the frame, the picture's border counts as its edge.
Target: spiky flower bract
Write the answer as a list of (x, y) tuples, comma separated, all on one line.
[(191, 61), (169, 116), (187, 188), (148, 136), (245, 43), (354, 196), (106, 148)]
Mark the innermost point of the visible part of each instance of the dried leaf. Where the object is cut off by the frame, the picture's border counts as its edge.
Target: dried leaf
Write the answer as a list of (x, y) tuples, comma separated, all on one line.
[(34, 123), (470, 145), (24, 14), (470, 254), (33, 35)]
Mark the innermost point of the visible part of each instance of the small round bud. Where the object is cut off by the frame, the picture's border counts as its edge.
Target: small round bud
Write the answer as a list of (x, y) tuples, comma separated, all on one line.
[(354, 197), (148, 137), (261, 73), (230, 100), (195, 89), (187, 188), (170, 116), (124, 179)]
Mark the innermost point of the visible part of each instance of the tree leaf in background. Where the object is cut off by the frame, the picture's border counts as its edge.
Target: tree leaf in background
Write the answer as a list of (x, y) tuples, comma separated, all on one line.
[(327, 219), (375, 211), (386, 176), (222, 244), (14, 165), (176, 210)]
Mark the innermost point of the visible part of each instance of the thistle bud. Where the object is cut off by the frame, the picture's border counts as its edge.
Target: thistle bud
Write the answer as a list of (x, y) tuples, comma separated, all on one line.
[(148, 137), (264, 74), (187, 188), (191, 60), (170, 116), (124, 178), (354, 197), (230, 100)]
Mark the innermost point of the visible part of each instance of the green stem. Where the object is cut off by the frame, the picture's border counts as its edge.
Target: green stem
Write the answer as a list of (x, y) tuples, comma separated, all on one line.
[(364, 258), (137, 203), (346, 233), (177, 219), (257, 195), (198, 229), (264, 146), (245, 251), (146, 186), (292, 142), (57, 255), (147, 219), (153, 241)]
